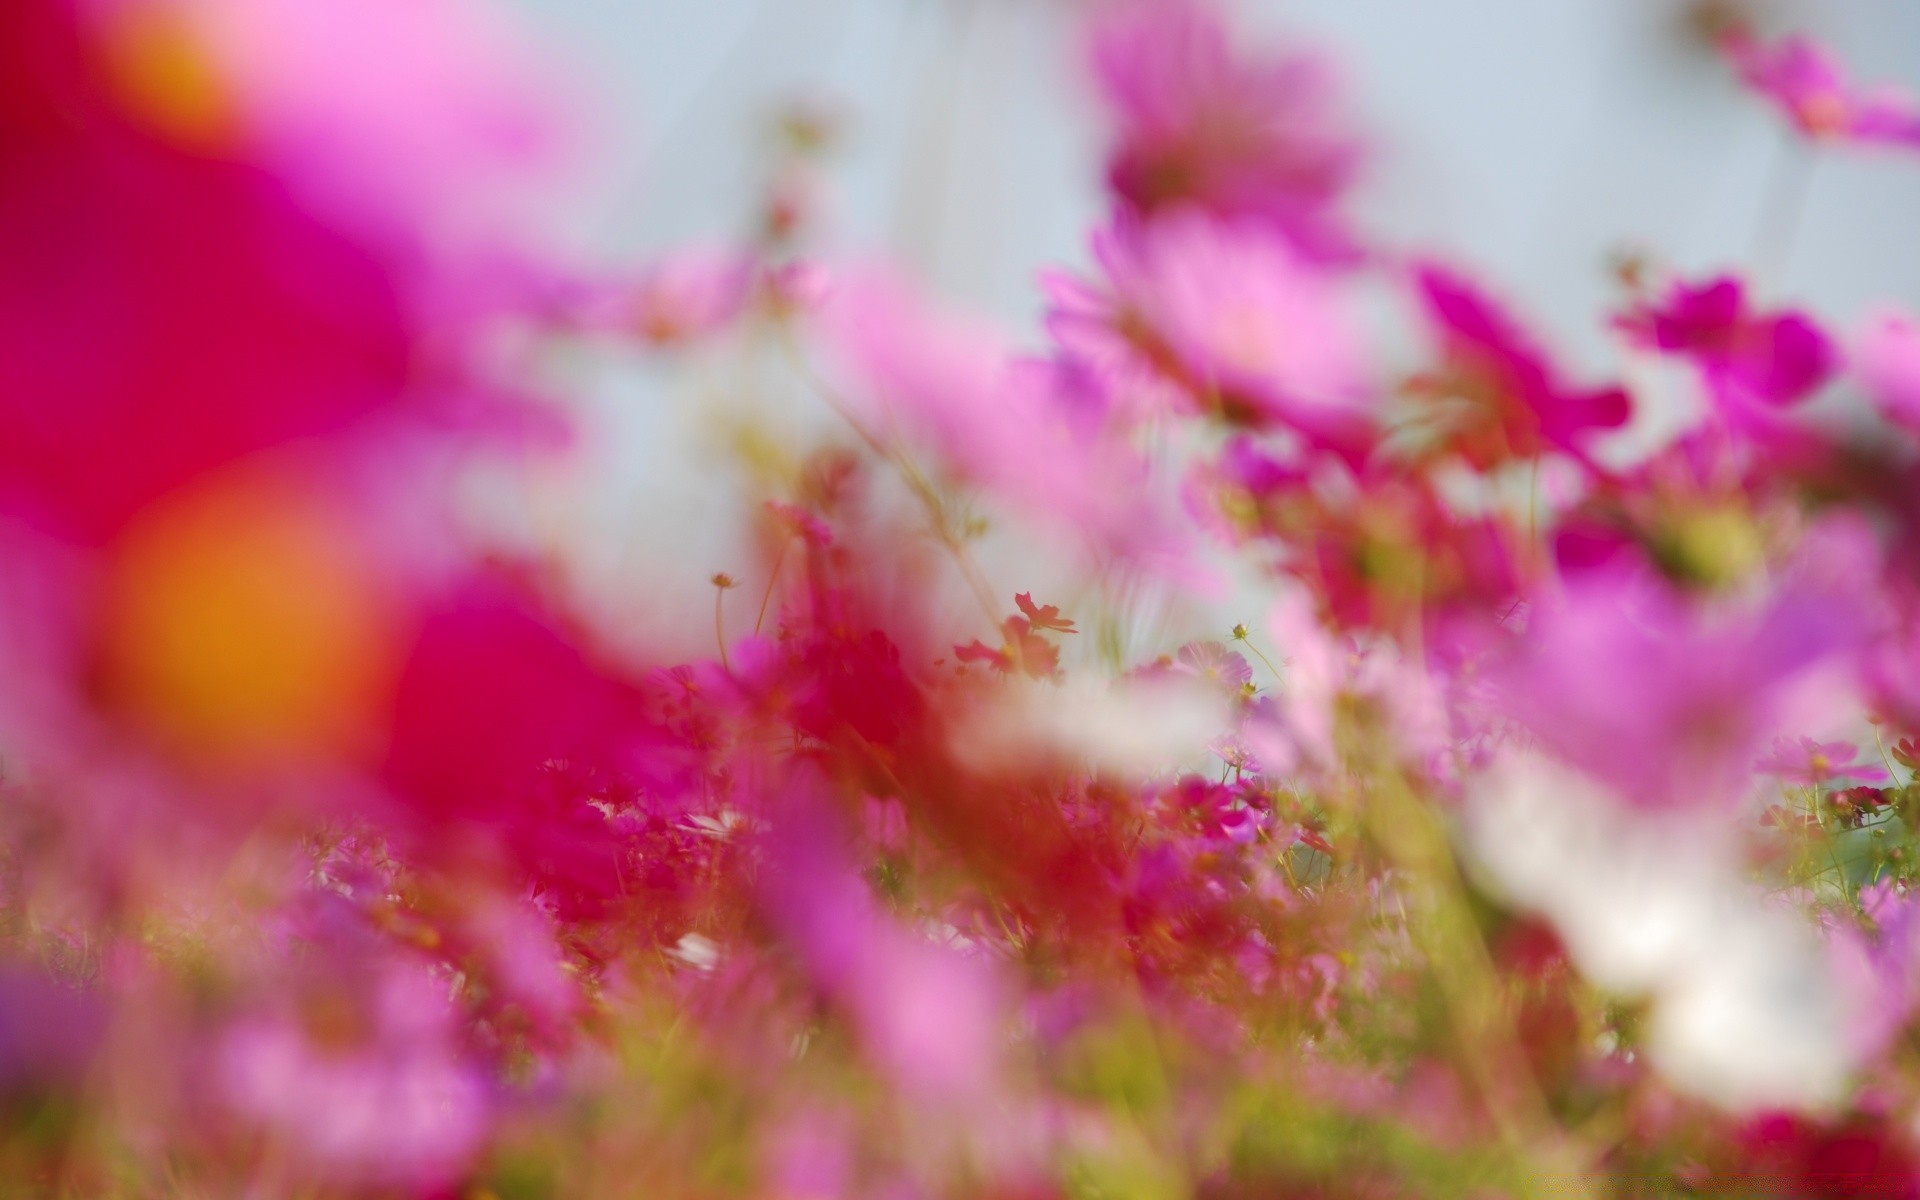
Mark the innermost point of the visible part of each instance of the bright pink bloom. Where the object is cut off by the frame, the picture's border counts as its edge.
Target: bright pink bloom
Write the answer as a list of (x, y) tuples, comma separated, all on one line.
[(1808, 762), (503, 728), (1504, 399), (1811, 90), (1754, 364), (162, 312), (1887, 360), (1257, 135), (1231, 313)]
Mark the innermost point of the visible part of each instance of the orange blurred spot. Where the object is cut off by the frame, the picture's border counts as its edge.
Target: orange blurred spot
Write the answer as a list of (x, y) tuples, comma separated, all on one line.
[(165, 75), (1824, 114), (243, 624)]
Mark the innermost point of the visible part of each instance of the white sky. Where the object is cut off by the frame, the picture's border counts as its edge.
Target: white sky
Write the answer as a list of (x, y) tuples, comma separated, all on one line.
[(1526, 138)]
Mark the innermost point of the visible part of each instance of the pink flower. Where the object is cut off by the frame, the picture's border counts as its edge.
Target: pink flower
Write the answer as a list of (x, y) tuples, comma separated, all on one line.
[(419, 116), (1875, 968), (1021, 429), (1233, 315), (690, 295), (1811, 91), (145, 342), (1754, 364), (1255, 135), (369, 1089), (928, 1015), (1812, 763), (1664, 701), (1502, 398), (1887, 361), (1214, 663)]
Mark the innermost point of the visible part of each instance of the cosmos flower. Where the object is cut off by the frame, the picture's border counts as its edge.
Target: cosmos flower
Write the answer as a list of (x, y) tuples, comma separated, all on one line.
[(1201, 124), (690, 295), (1805, 761), (368, 1086), (1248, 329), (1811, 90), (1012, 426), (1626, 662), (1755, 364), (1886, 360), (1496, 396)]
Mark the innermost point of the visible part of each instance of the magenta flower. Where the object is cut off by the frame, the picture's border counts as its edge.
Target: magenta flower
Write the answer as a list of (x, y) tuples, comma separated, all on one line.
[(1504, 397), (1257, 136), (1233, 315), (1812, 763), (1754, 364), (1812, 92), (1887, 361), (145, 343)]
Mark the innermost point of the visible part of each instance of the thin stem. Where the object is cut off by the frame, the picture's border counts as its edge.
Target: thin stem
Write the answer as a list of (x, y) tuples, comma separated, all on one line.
[(1892, 776), (1533, 504), (779, 561), (922, 489), (1781, 208), (1240, 635), (719, 626), (1412, 836)]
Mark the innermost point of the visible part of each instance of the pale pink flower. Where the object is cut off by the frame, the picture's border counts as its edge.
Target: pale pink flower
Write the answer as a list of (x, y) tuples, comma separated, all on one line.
[(1887, 362), (1214, 663), (399, 1106), (1657, 696), (1230, 313), (1805, 761), (1017, 428), (430, 110), (690, 295), (1878, 968)]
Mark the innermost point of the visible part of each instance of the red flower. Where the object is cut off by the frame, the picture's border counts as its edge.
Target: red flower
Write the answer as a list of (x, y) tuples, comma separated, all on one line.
[(1044, 617)]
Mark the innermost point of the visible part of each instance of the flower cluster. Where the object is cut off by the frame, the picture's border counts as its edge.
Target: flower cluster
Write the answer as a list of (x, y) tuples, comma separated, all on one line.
[(1543, 823)]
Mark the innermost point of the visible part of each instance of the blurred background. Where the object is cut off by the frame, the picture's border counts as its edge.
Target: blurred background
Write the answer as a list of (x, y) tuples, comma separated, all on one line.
[(1532, 138), (1536, 142)]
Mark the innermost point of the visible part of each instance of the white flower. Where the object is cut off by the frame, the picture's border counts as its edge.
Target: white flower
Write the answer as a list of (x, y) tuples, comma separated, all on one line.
[(1744, 1014)]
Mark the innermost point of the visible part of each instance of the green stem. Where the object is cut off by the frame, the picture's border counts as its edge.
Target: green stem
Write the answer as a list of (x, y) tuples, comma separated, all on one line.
[(779, 560), (719, 627)]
